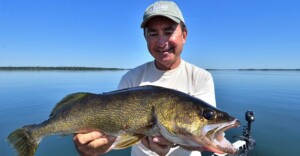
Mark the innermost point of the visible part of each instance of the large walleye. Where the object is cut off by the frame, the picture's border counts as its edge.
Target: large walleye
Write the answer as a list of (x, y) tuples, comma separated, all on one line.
[(130, 115)]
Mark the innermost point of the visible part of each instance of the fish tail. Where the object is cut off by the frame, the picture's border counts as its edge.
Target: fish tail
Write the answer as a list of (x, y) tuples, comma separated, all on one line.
[(23, 141)]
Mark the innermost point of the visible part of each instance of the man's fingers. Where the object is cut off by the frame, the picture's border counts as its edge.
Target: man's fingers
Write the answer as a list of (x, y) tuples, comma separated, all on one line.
[(161, 140), (93, 143), (85, 138), (159, 147), (105, 141)]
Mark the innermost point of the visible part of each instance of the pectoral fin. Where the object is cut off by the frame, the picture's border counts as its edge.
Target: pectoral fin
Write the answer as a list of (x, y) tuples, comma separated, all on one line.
[(127, 140)]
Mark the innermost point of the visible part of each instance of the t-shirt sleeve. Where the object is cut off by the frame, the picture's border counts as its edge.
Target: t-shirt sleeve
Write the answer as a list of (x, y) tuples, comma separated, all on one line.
[(205, 89), (132, 78), (124, 83)]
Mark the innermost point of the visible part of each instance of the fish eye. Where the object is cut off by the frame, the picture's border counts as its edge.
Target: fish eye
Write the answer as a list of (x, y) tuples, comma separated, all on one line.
[(208, 114)]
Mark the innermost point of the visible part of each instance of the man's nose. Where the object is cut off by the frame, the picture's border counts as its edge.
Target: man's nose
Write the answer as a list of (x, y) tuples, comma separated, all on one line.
[(162, 40)]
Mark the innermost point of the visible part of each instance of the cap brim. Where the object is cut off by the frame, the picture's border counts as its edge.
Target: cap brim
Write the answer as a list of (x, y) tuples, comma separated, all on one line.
[(176, 20)]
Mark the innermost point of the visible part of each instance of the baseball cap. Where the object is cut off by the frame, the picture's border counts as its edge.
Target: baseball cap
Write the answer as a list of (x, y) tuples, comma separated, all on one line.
[(163, 8)]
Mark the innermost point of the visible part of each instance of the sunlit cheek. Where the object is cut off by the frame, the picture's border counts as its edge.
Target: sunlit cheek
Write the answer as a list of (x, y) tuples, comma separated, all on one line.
[(173, 39)]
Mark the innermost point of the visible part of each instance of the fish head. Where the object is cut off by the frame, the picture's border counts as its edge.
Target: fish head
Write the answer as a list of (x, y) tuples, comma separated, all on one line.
[(193, 123), (198, 127), (212, 123)]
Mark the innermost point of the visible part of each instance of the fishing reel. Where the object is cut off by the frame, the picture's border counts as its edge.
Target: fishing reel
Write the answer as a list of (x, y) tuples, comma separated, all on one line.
[(245, 143)]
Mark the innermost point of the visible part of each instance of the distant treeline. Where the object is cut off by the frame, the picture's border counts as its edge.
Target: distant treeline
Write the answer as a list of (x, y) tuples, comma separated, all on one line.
[(269, 69), (256, 69), (61, 68), (103, 68)]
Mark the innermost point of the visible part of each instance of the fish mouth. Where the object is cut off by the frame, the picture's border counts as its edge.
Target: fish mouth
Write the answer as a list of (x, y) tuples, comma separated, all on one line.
[(215, 140)]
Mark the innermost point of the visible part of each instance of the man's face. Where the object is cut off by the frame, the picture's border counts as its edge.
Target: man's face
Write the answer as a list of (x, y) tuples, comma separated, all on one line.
[(165, 40)]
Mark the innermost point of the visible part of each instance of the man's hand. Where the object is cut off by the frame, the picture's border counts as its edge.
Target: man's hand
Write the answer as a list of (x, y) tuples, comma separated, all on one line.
[(93, 143), (158, 144)]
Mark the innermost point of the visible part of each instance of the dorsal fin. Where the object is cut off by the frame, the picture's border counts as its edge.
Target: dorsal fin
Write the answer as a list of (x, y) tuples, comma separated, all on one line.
[(69, 99)]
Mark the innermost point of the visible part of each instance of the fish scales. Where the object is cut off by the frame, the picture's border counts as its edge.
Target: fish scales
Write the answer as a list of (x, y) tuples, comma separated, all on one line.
[(130, 115)]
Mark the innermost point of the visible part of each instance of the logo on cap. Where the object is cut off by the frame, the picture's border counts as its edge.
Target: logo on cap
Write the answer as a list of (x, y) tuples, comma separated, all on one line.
[(158, 7)]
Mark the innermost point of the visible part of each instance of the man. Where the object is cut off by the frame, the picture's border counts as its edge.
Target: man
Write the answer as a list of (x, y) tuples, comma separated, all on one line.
[(165, 33)]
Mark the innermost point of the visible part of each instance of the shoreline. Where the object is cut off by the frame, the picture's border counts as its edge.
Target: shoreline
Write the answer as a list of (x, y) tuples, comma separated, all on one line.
[(74, 68), (62, 68)]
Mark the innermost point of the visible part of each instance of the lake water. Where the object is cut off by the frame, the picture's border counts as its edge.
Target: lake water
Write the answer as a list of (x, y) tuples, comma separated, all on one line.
[(27, 97)]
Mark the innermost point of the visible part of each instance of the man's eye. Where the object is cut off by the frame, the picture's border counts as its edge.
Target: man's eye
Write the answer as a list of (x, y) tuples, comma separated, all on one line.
[(152, 34), (169, 32)]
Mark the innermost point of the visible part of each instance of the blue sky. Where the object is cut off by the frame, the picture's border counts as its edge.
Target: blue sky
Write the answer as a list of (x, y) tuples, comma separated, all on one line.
[(222, 34)]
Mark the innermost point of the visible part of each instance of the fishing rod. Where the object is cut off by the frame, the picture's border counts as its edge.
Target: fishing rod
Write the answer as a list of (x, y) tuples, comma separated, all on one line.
[(246, 143)]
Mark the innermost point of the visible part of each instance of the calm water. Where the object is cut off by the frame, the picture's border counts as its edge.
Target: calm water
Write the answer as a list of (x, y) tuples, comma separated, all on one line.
[(28, 97)]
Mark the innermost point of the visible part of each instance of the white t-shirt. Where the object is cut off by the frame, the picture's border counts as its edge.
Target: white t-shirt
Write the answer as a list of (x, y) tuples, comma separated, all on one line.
[(186, 78)]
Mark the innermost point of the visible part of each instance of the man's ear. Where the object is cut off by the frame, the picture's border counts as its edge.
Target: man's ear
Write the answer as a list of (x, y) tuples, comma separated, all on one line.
[(144, 29), (184, 35)]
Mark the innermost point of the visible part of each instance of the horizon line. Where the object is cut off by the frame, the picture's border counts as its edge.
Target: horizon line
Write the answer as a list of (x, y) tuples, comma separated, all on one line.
[(57, 68), (115, 68)]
